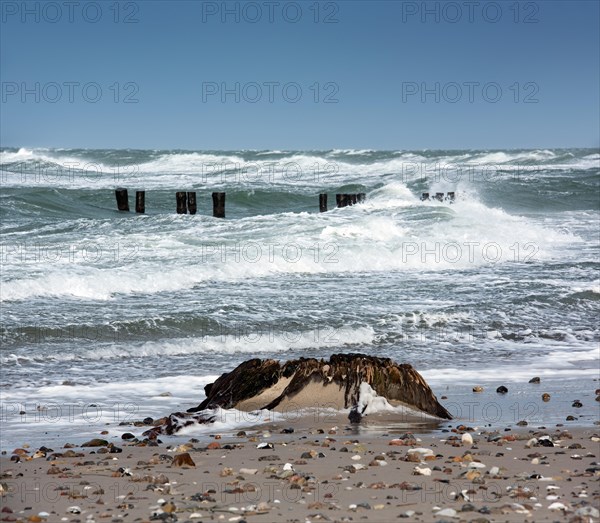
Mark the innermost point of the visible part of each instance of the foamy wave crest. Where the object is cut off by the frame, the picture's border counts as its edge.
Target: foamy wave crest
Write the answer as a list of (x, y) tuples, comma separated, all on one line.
[(380, 235), (251, 342)]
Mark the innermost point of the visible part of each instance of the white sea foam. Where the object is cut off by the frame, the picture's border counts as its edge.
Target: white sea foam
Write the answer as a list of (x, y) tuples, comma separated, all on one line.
[(316, 169), (376, 236), (556, 363), (242, 342)]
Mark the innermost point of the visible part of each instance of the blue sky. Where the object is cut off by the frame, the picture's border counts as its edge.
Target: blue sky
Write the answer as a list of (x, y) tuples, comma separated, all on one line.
[(300, 75)]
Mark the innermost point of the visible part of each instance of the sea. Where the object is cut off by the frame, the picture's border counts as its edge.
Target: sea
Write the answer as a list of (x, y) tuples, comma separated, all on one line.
[(108, 317)]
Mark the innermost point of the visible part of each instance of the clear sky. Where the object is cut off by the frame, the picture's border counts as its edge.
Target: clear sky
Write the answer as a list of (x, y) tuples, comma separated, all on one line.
[(300, 75)]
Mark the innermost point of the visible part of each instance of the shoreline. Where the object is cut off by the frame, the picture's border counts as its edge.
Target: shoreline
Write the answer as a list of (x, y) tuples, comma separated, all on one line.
[(54, 423)]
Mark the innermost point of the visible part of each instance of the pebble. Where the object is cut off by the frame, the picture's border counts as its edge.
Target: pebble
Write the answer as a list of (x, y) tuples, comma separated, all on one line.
[(477, 388), (588, 511), (557, 505), (476, 465), (183, 460), (531, 443), (535, 380), (96, 442), (546, 397), (577, 404), (467, 439), (447, 513), (421, 471), (502, 390)]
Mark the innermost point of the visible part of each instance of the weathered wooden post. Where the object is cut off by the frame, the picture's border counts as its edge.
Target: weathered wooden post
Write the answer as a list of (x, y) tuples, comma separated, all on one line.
[(191, 202), (439, 196), (425, 196), (140, 202), (362, 197), (451, 196), (122, 199), (181, 202), (218, 204), (323, 202)]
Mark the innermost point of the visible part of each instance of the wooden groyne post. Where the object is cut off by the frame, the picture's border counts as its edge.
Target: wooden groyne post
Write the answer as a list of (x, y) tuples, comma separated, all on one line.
[(191, 202), (218, 204), (122, 199), (439, 196), (323, 202), (140, 202), (343, 200), (181, 198)]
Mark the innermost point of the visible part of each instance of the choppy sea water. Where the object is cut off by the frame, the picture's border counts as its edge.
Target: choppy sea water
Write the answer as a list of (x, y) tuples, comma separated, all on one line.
[(104, 312)]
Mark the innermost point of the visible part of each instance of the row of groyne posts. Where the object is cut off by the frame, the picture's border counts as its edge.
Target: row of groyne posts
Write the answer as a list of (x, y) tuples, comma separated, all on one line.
[(439, 196), (186, 201)]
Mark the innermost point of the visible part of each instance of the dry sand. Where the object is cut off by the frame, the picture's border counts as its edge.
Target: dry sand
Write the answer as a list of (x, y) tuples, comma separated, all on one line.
[(317, 473)]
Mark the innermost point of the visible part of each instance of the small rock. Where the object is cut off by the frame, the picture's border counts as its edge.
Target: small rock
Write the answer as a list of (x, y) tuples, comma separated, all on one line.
[(571, 418), (577, 404), (522, 423), (183, 460), (535, 380), (545, 442), (467, 439), (557, 505), (588, 511), (446, 513), (477, 388), (421, 471), (127, 436), (502, 390), (545, 397), (96, 442)]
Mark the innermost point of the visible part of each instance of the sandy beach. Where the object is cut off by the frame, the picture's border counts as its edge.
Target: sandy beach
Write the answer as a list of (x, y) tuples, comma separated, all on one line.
[(313, 470)]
